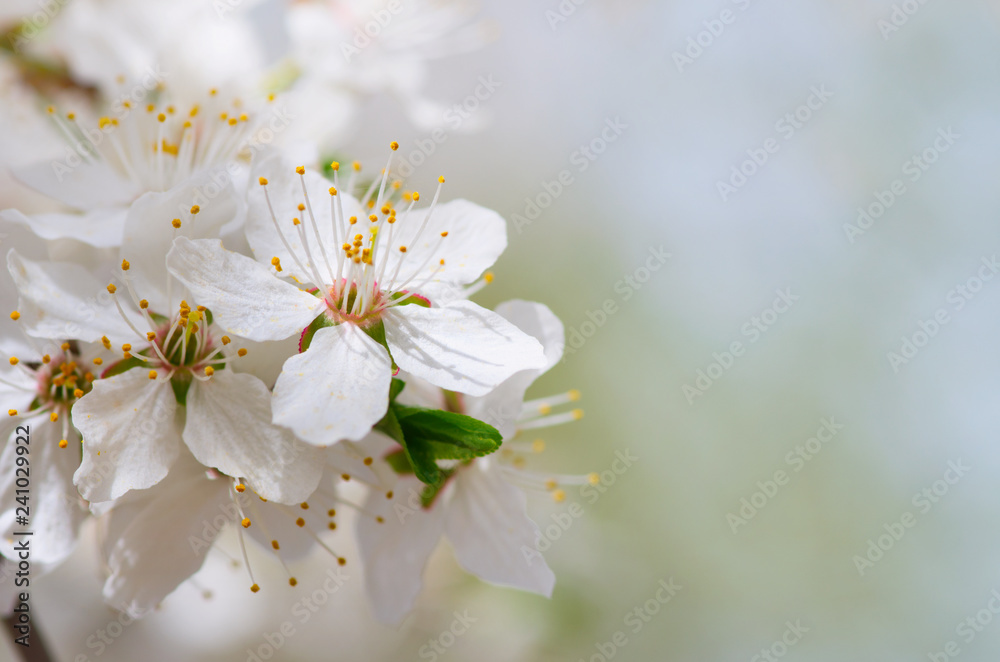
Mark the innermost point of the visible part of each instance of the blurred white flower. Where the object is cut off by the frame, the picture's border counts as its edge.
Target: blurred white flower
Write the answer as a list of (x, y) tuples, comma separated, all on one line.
[(344, 52), (481, 509), (155, 539), (196, 44), (39, 393), (140, 148)]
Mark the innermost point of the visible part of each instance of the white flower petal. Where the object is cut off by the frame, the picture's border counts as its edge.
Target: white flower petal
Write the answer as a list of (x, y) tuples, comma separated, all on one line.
[(229, 427), (284, 188), (272, 521), (149, 231), (244, 297), (56, 509), (62, 300), (130, 434), (165, 534), (101, 228), (493, 537), (395, 551), (460, 347), (476, 238), (502, 406), (337, 389), (85, 186)]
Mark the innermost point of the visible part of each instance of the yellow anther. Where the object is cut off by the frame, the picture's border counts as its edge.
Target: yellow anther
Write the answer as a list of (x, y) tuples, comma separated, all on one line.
[(373, 218), (332, 526), (394, 145), (368, 462), (276, 263), (111, 288), (538, 445), (262, 181), (304, 506), (357, 166), (240, 487), (246, 522), (444, 234), (388, 495), (345, 476), (226, 340), (488, 277), (441, 179), (77, 393), (63, 443), (98, 361), (416, 196), (559, 496), (292, 581), (300, 170), (65, 346), (54, 416), (341, 561), (151, 336), (300, 522), (271, 96), (209, 371), (296, 221), (152, 374), (574, 395), (402, 249), (223, 116), (334, 165), (593, 478), (71, 116), (176, 223), (51, 109), (12, 412), (233, 121), (161, 117), (105, 342), (143, 304), (243, 117), (577, 414), (275, 545), (195, 209), (302, 207), (254, 588), (380, 519), (14, 315), (242, 351), (332, 512), (333, 191), (125, 265), (126, 347), (544, 410), (14, 360), (46, 359)]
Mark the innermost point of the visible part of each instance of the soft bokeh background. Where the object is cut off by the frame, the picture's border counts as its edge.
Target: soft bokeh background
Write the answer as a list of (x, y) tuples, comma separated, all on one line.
[(656, 186)]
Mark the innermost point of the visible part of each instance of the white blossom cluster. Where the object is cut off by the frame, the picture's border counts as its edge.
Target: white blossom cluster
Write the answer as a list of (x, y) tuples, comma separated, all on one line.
[(208, 323)]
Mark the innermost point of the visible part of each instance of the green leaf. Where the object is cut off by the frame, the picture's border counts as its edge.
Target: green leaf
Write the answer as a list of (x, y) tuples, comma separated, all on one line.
[(419, 454), (447, 428), (397, 460)]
